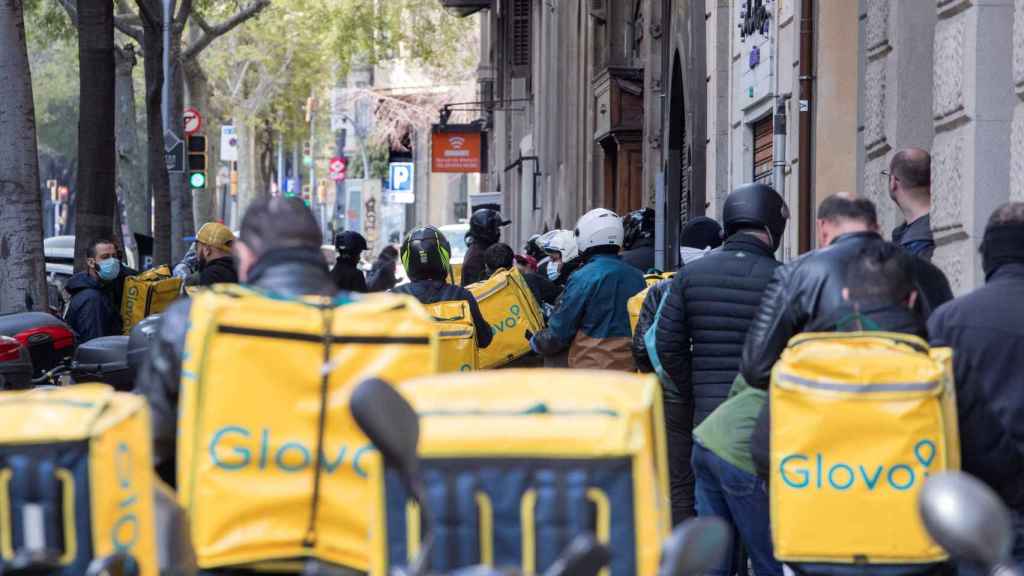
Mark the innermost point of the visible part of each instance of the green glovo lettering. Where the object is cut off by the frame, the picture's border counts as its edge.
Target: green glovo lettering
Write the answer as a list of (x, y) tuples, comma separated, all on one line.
[(799, 473), (232, 449), (508, 322)]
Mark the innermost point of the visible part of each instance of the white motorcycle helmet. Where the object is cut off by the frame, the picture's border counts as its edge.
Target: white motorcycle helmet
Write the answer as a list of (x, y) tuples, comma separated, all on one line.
[(599, 227), (563, 242)]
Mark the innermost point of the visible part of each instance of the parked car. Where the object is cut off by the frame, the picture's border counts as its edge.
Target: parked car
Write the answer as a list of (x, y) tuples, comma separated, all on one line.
[(456, 236)]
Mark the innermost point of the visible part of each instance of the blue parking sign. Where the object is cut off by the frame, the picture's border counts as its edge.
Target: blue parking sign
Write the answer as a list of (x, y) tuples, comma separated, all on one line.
[(400, 176)]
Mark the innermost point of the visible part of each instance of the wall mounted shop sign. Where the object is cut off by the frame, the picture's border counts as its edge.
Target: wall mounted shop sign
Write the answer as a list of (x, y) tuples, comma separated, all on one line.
[(458, 149), (755, 17)]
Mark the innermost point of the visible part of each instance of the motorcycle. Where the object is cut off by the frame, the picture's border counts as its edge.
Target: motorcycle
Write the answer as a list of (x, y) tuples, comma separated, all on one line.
[(969, 521), (113, 360)]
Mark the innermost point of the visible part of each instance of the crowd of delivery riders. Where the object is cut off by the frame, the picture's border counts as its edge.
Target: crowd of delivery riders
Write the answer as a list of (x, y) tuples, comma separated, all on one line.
[(711, 333)]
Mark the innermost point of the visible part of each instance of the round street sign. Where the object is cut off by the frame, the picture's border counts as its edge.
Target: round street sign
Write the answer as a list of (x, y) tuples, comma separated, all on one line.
[(336, 168), (193, 121)]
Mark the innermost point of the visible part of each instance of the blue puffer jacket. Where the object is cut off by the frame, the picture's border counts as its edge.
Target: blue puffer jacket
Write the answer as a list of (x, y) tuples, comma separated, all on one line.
[(592, 317)]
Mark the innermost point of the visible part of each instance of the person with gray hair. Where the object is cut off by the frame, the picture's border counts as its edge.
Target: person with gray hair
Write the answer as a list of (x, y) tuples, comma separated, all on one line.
[(986, 331), (277, 251)]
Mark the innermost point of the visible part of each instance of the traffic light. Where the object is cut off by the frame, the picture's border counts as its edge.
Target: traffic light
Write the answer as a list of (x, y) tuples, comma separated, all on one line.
[(197, 162)]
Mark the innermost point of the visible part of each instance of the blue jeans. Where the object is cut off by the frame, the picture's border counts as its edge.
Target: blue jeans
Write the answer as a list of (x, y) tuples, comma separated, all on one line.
[(741, 499)]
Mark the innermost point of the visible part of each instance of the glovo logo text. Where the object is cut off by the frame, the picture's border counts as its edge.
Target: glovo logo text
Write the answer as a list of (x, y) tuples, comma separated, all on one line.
[(817, 472), (132, 296), (508, 322), (236, 448), (124, 533)]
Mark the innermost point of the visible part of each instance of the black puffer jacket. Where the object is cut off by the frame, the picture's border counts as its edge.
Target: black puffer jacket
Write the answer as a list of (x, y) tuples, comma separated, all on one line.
[(289, 272), (647, 313), (705, 319), (433, 291), (810, 289)]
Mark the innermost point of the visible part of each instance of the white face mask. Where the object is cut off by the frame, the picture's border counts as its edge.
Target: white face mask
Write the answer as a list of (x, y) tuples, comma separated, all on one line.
[(552, 271)]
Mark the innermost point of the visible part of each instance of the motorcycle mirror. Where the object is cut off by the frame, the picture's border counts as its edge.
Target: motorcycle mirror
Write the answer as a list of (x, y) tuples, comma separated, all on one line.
[(695, 547), (393, 427), (119, 564), (585, 556), (966, 518), (390, 423)]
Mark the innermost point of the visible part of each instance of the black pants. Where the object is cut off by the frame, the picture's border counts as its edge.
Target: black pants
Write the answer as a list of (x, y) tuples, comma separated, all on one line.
[(679, 434)]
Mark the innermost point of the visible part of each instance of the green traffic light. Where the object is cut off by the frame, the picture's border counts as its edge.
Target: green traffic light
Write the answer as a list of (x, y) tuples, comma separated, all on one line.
[(197, 180)]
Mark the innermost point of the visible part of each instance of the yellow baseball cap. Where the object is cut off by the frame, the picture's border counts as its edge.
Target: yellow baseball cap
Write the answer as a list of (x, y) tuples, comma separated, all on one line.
[(216, 234)]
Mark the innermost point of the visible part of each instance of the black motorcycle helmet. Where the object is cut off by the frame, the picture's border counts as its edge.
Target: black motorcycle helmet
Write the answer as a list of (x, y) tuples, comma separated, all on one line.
[(349, 243), (637, 225), (756, 206), (485, 225), (534, 249), (426, 254)]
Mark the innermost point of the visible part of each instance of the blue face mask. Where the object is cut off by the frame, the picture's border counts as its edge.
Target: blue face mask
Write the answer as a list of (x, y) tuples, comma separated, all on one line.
[(108, 269), (552, 271)]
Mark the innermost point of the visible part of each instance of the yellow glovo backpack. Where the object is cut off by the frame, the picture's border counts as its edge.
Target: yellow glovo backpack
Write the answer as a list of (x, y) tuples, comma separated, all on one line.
[(508, 305), (456, 335), (76, 479), (859, 421), (519, 462), (151, 292), (271, 465), (635, 304)]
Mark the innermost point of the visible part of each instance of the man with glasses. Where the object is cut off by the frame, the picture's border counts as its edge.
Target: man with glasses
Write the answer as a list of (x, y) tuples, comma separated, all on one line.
[(910, 177)]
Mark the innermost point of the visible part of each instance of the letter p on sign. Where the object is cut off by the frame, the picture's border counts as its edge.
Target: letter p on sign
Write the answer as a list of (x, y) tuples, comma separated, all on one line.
[(401, 176)]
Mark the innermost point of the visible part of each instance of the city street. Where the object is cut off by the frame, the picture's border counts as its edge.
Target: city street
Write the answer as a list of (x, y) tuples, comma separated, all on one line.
[(559, 287)]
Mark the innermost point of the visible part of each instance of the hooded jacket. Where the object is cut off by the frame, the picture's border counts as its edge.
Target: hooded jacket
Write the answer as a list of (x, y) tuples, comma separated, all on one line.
[(92, 312), (592, 319), (986, 331), (289, 272)]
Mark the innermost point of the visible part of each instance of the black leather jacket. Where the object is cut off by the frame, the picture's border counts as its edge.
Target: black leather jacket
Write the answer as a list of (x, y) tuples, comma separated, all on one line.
[(811, 288), (290, 272)]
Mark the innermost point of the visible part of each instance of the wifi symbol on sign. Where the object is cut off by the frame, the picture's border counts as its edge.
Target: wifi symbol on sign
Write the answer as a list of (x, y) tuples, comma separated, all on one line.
[(457, 141)]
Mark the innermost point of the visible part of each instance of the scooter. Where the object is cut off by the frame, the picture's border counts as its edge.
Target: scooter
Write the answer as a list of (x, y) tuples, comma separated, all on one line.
[(969, 521), (392, 426), (113, 360)]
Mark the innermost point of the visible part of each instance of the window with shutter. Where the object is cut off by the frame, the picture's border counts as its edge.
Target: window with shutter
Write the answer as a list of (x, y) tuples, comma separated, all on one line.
[(763, 150), (520, 38)]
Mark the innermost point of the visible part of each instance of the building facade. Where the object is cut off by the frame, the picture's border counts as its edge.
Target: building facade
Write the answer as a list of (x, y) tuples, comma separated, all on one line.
[(673, 103)]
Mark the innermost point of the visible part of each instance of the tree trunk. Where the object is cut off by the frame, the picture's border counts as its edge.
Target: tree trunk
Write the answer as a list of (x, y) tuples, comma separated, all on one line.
[(131, 175), (158, 181), (94, 200), (197, 89), (181, 194), (249, 186), (22, 280)]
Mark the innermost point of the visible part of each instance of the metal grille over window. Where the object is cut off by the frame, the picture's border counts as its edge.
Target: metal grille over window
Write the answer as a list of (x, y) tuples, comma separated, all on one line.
[(763, 150)]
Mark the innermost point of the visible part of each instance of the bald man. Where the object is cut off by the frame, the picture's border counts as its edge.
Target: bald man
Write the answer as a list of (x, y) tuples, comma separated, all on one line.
[(910, 179)]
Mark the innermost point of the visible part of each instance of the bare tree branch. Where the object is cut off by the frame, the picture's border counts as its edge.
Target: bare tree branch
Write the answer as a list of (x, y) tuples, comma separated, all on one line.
[(211, 33), (184, 12), (395, 115), (71, 7), (123, 26)]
